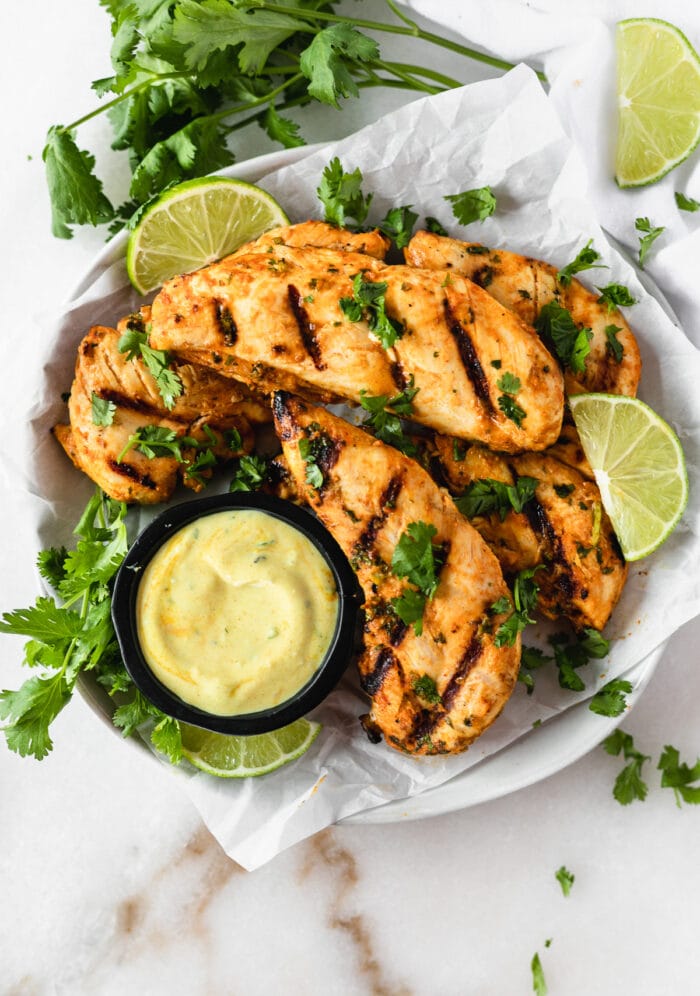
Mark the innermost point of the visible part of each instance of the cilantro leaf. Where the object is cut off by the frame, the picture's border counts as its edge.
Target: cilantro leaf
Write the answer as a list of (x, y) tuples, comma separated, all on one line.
[(45, 621), (329, 59), (341, 194), (686, 203), (616, 296), (539, 985), (281, 129), (435, 226), (199, 147), (31, 710), (368, 303), (678, 776), (314, 474), (629, 784), (511, 409), (51, 565), (102, 410), (409, 607), (612, 344), (134, 342), (166, 738), (586, 259), (647, 238), (251, 473), (565, 879), (425, 688), (472, 205), (571, 343), (509, 383), (154, 441), (398, 225), (486, 495), (385, 424), (416, 558), (202, 26), (76, 193), (610, 699), (525, 591)]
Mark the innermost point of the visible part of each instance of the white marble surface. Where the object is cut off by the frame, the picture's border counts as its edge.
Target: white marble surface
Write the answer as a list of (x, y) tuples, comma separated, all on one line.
[(109, 883)]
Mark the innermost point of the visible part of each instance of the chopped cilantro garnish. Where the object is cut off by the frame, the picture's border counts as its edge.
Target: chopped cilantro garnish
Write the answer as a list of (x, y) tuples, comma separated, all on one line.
[(616, 296), (341, 194), (434, 226), (511, 409), (509, 383), (368, 303), (472, 205), (418, 560), (487, 495), (647, 238), (425, 688), (563, 490), (525, 590), (251, 473), (134, 343), (571, 343), (398, 225), (612, 344), (102, 410), (587, 259), (386, 425)]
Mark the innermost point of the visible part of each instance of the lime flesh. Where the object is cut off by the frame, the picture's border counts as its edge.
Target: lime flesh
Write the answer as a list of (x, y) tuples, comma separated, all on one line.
[(658, 88), (639, 467), (247, 757), (194, 224)]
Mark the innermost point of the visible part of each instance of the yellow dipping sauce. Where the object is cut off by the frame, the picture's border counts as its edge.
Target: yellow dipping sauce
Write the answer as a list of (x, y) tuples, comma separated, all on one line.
[(235, 612)]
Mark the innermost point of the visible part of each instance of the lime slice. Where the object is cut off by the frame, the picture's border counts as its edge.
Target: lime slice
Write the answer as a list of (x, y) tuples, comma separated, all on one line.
[(247, 757), (195, 223), (658, 88), (639, 466)]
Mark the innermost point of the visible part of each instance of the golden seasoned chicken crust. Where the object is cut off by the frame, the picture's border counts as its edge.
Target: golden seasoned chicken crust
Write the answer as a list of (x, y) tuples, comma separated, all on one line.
[(437, 691), (274, 319), (525, 286)]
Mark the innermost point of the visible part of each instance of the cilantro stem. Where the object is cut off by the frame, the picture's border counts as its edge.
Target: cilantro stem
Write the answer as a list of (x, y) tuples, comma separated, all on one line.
[(402, 74), (403, 17), (429, 74), (395, 29), (144, 85)]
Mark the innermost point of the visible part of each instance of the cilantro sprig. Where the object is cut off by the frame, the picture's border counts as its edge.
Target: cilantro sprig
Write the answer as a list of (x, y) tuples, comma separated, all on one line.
[(419, 560), (73, 634), (629, 784), (158, 441), (188, 75), (586, 259), (525, 592), (648, 236), (134, 343), (485, 496), (571, 343)]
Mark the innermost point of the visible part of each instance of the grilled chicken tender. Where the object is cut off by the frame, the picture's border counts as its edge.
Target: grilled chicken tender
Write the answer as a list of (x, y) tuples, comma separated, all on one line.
[(369, 496), (563, 527), (524, 286), (207, 400), (320, 235), (274, 320)]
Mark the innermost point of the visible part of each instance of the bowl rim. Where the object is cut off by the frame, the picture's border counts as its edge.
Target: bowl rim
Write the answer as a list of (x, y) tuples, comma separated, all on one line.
[(330, 669)]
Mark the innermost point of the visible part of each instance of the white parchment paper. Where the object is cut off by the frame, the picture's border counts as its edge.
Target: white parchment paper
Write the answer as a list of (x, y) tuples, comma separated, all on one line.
[(504, 133)]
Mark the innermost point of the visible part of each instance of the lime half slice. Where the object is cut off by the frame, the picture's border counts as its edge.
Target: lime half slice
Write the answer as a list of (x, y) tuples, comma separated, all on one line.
[(639, 467), (658, 89), (196, 223), (247, 757)]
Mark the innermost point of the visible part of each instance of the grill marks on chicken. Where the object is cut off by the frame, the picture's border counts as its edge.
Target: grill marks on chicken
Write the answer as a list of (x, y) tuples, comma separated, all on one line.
[(206, 400), (369, 496), (292, 334), (564, 527), (525, 286)]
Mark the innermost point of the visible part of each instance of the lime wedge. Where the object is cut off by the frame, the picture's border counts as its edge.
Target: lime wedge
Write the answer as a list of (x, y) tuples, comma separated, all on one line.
[(639, 467), (196, 223), (247, 757), (658, 89)]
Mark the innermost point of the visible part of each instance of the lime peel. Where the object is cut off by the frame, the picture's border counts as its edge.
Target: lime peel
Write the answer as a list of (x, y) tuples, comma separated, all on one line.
[(639, 466), (247, 757)]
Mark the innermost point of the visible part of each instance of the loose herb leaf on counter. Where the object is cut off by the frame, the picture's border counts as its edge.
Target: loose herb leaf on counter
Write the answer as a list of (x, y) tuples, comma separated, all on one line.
[(472, 205), (647, 238), (539, 985), (679, 776), (686, 203), (65, 641), (565, 879), (587, 259), (629, 784)]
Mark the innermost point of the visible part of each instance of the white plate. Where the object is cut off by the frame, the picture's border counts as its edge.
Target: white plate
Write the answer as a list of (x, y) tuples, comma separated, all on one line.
[(558, 743)]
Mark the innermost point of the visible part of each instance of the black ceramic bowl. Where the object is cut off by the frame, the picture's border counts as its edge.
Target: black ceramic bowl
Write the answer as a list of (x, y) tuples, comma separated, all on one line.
[(332, 665)]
